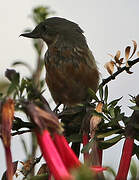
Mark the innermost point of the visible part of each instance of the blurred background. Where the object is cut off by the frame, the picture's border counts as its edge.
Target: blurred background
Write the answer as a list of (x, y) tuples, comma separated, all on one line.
[(109, 26)]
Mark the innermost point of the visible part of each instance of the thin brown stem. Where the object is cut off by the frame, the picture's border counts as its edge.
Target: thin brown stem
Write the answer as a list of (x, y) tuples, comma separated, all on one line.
[(125, 68)]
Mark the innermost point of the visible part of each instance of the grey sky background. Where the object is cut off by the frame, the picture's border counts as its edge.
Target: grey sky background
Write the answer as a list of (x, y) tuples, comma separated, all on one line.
[(109, 25)]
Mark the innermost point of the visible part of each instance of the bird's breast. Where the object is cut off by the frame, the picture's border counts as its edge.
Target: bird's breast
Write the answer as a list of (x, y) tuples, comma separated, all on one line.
[(69, 75)]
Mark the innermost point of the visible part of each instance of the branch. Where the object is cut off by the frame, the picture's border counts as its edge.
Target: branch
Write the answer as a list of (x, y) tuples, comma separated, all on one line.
[(113, 76), (20, 132)]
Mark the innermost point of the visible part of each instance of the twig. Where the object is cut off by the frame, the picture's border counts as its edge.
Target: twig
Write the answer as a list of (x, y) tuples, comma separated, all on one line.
[(21, 132), (125, 68)]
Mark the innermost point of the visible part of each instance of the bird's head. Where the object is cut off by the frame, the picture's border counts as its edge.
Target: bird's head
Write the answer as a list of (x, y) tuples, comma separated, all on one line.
[(54, 27)]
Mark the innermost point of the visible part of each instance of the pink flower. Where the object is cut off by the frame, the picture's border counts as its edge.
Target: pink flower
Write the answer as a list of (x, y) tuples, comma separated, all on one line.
[(52, 157), (125, 159)]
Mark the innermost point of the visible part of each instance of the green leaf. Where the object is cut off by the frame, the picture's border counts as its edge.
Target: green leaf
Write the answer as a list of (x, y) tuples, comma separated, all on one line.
[(42, 82), (113, 124), (133, 170), (74, 138), (39, 177), (95, 113), (114, 102), (88, 146), (23, 85), (16, 79), (101, 92), (108, 143), (1, 94), (110, 170), (41, 13), (84, 173), (93, 94), (111, 112), (136, 108), (11, 89), (120, 117), (117, 110), (106, 94), (13, 76), (109, 133), (23, 64)]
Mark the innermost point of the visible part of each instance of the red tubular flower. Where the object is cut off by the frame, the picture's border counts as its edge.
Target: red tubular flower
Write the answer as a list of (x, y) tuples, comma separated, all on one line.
[(52, 157), (9, 171), (50, 177), (85, 142), (7, 116), (125, 159), (57, 152), (98, 168), (68, 156)]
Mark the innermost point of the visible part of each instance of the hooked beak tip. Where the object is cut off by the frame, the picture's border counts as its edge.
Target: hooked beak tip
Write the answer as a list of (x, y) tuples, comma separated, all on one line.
[(21, 35), (30, 35)]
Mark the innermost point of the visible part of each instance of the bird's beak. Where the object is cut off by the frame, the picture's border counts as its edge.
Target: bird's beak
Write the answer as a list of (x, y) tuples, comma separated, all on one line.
[(35, 34)]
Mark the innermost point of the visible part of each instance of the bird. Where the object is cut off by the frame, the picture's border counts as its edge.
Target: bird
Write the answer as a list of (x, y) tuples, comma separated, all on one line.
[(71, 68)]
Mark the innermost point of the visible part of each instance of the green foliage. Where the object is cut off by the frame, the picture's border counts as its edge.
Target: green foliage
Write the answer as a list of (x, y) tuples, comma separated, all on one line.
[(23, 64), (93, 95), (86, 148), (74, 138), (27, 89), (41, 13), (136, 108), (40, 177), (106, 134), (84, 173), (133, 170), (22, 89), (112, 118), (111, 171), (110, 142), (101, 92), (106, 94)]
